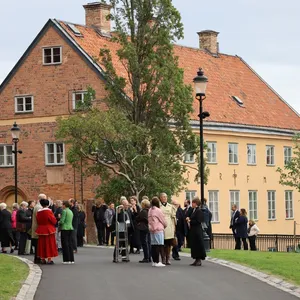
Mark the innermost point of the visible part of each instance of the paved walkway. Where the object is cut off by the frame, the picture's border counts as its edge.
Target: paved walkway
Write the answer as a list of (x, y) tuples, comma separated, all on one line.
[(94, 276)]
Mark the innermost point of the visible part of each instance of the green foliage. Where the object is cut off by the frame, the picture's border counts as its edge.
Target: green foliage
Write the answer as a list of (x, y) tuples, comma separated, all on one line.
[(87, 102), (290, 174), (137, 145)]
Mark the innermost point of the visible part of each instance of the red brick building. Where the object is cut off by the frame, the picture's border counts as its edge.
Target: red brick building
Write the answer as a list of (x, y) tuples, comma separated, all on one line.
[(63, 60)]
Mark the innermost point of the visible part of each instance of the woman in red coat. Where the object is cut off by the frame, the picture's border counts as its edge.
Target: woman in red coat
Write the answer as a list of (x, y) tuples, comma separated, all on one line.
[(46, 230)]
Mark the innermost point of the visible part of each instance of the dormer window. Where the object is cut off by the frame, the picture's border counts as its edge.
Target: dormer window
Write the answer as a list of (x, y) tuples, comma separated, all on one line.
[(52, 55)]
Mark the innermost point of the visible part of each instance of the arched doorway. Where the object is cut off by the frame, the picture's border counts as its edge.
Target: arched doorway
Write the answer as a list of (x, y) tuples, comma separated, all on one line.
[(7, 195)]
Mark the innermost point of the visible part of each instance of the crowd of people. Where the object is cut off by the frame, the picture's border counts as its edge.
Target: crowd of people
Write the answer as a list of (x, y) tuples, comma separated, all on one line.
[(46, 228), (43, 228), (242, 229)]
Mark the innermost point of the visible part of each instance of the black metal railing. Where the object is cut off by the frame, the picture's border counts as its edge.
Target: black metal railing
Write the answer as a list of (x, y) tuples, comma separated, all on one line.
[(264, 242)]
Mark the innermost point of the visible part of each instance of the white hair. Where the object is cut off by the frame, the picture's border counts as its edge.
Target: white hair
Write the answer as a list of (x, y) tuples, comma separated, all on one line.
[(3, 206), (122, 199), (42, 196), (24, 204), (58, 203), (163, 194), (16, 205)]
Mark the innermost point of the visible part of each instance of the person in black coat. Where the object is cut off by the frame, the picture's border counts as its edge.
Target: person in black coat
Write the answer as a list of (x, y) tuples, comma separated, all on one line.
[(134, 238), (6, 236), (196, 233), (143, 229), (99, 218), (187, 213), (181, 230), (24, 225), (241, 225), (75, 221), (81, 226), (234, 216)]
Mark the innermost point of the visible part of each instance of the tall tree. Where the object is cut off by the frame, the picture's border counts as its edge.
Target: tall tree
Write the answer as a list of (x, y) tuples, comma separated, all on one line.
[(141, 138), (290, 174)]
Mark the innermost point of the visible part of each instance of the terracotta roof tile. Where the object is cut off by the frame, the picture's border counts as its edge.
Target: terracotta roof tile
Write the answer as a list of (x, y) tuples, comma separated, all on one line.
[(228, 76)]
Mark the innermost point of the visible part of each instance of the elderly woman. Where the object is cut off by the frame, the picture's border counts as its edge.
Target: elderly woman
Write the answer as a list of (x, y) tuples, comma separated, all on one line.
[(196, 232), (23, 225), (142, 226), (157, 225), (16, 234), (46, 231), (170, 231), (6, 236)]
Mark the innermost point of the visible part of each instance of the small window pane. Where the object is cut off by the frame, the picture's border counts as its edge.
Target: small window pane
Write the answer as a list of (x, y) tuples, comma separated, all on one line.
[(47, 56), (50, 148), (51, 158), (56, 55)]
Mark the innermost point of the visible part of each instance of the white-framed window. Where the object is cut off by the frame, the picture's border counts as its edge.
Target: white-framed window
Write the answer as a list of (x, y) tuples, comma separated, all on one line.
[(55, 154), (251, 154), (288, 152), (234, 199), (52, 55), (6, 156), (271, 205), (23, 104), (270, 155), (78, 97), (233, 153), (252, 205), (189, 158), (289, 205), (211, 152), (213, 204), (190, 195)]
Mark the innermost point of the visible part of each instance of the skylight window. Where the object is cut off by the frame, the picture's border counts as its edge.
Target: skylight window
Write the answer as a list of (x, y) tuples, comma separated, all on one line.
[(74, 29), (238, 100)]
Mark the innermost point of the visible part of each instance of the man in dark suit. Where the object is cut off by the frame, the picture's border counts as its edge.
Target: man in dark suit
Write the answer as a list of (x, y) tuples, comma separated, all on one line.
[(188, 210), (235, 214)]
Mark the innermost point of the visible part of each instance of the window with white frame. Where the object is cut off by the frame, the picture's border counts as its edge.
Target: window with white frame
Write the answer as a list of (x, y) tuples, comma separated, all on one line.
[(251, 154), (52, 55), (287, 155), (211, 152), (23, 104), (233, 153), (289, 205), (270, 155), (55, 154), (252, 205), (189, 158), (271, 205), (190, 195), (234, 199), (213, 204), (6, 156), (78, 97)]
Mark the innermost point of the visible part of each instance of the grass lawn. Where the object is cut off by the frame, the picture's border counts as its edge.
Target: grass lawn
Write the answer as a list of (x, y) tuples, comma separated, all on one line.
[(13, 273), (280, 264)]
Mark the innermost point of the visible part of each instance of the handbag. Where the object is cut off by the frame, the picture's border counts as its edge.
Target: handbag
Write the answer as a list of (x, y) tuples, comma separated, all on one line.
[(21, 227), (174, 242)]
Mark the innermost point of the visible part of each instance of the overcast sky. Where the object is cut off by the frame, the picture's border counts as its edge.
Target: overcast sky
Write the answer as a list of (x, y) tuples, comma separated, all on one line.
[(265, 33)]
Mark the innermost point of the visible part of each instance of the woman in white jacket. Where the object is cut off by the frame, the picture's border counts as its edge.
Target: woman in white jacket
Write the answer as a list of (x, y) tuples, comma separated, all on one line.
[(253, 231)]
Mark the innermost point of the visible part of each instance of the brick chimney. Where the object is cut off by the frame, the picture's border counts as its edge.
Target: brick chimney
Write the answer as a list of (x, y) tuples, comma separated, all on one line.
[(96, 16), (208, 40)]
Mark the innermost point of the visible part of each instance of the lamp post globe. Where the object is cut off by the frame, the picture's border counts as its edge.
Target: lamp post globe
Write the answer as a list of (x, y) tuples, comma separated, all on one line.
[(200, 84), (15, 132)]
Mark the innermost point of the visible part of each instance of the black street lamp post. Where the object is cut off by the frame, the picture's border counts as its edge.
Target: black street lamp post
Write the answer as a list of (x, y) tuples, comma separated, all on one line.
[(200, 82), (15, 132)]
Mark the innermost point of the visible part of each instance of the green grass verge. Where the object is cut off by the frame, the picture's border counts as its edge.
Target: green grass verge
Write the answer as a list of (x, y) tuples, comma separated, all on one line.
[(13, 273), (280, 264)]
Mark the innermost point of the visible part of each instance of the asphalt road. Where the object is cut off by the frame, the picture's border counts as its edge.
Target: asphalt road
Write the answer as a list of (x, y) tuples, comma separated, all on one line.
[(94, 276)]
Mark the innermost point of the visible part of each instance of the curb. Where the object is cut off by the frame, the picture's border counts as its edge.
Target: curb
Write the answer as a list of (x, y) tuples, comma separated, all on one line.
[(31, 283), (269, 279)]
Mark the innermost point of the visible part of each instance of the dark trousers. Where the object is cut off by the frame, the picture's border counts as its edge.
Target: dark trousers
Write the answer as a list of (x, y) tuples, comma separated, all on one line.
[(22, 243), (252, 241), (79, 240), (155, 251), (74, 239), (175, 249), (67, 247), (16, 237), (34, 243), (101, 232), (238, 243), (146, 244), (110, 234)]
